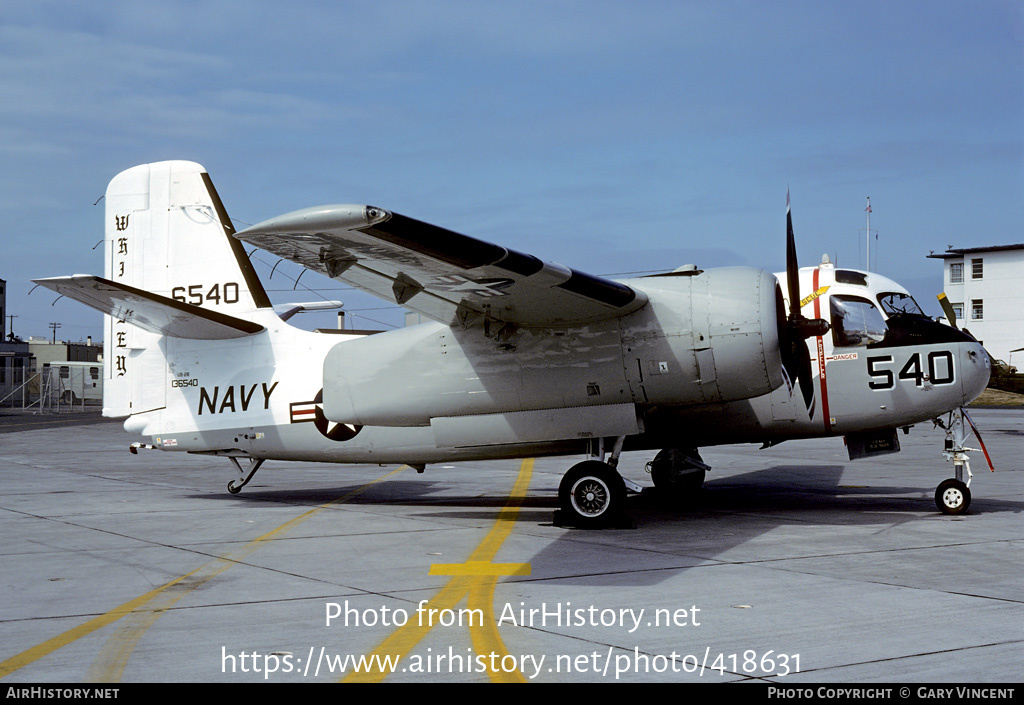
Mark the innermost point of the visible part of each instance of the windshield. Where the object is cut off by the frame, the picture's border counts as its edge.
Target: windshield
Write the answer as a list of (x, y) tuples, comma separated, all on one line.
[(855, 321), (893, 302)]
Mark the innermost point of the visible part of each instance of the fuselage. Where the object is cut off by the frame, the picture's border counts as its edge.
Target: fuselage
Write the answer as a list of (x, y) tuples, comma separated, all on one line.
[(699, 362)]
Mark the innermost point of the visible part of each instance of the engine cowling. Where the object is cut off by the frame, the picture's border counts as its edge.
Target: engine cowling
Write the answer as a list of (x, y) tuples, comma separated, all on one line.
[(705, 337)]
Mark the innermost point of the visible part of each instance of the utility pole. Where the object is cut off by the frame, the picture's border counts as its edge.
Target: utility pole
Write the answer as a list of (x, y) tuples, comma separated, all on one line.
[(11, 326), (54, 327)]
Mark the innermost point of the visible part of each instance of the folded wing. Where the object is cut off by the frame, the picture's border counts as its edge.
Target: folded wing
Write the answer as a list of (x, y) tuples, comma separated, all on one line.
[(446, 276)]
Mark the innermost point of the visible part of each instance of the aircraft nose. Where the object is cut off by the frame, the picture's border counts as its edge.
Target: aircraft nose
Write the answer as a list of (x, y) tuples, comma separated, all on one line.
[(977, 368)]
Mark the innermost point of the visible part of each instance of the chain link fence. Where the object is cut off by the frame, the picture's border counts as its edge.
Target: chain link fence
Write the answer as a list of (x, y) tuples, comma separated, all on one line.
[(58, 387)]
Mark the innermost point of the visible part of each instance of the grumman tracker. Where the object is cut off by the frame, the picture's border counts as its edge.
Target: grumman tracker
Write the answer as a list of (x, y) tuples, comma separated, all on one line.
[(522, 358)]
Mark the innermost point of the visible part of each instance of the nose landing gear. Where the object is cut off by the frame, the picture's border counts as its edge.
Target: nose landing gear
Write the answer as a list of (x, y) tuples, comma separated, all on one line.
[(953, 496)]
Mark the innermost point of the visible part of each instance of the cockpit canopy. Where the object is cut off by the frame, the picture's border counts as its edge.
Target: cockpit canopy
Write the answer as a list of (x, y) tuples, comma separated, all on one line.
[(894, 302)]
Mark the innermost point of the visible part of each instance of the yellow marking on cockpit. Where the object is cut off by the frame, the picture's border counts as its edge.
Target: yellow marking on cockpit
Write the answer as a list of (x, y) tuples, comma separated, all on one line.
[(145, 609), (474, 580), (811, 297)]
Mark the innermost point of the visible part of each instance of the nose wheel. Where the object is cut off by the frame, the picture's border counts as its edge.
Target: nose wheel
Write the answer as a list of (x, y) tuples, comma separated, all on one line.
[(952, 496)]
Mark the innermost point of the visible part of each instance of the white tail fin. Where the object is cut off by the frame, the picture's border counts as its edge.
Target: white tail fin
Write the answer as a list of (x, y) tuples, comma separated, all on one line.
[(167, 233)]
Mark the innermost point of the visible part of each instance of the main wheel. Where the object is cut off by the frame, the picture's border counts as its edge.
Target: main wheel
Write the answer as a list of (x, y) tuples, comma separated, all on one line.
[(592, 493), (952, 497), (674, 475), (232, 488)]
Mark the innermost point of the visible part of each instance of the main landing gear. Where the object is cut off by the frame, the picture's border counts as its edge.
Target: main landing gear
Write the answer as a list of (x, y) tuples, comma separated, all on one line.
[(953, 496), (678, 472), (592, 494)]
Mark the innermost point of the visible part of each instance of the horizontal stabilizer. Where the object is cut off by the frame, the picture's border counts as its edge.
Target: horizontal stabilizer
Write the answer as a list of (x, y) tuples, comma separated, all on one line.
[(151, 312)]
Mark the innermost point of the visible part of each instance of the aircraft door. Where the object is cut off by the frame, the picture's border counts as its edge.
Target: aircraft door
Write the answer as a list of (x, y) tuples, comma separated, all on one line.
[(846, 393)]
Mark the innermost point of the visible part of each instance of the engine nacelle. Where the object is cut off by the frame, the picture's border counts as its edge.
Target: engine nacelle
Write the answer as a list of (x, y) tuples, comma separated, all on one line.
[(712, 336)]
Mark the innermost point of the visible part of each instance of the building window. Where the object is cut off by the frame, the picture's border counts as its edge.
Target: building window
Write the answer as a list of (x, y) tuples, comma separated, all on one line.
[(958, 311), (977, 268), (977, 309), (956, 273)]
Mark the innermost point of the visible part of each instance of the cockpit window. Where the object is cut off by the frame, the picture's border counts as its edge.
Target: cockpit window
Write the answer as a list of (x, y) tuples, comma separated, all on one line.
[(894, 302), (848, 276), (855, 321)]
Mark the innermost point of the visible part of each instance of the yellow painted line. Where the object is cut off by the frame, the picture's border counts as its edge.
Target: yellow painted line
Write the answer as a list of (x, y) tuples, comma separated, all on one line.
[(474, 580), (109, 664), (480, 568), (112, 664), (50, 645), (486, 637)]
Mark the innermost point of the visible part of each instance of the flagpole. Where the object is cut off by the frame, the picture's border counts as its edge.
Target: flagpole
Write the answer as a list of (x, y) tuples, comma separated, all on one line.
[(868, 234)]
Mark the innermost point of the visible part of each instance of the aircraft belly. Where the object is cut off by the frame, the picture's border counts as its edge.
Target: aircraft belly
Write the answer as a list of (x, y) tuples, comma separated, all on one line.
[(373, 444)]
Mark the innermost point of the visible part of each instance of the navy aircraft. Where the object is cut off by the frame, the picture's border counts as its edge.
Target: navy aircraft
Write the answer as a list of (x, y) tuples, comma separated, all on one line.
[(522, 357)]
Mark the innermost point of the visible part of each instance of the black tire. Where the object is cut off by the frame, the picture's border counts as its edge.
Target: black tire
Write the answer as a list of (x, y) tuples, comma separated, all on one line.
[(952, 497), (232, 488), (674, 476), (592, 494)]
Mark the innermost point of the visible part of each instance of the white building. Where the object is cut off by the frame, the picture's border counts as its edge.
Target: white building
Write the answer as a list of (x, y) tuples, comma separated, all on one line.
[(985, 285)]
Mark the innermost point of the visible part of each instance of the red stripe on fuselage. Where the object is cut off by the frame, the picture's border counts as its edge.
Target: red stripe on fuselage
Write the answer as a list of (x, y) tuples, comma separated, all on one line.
[(821, 359)]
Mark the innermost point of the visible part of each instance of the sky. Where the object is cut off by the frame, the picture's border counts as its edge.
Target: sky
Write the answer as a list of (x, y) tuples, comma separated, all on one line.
[(611, 137)]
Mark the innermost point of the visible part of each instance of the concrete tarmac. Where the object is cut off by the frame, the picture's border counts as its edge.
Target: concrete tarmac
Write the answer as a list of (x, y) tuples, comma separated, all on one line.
[(795, 565)]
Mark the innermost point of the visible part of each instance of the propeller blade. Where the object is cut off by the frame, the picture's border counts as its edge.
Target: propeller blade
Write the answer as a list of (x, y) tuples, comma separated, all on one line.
[(947, 309), (792, 267), (795, 357), (806, 381)]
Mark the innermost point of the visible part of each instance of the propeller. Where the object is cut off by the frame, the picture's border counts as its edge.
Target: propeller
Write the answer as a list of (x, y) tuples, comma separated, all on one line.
[(947, 308), (796, 360)]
